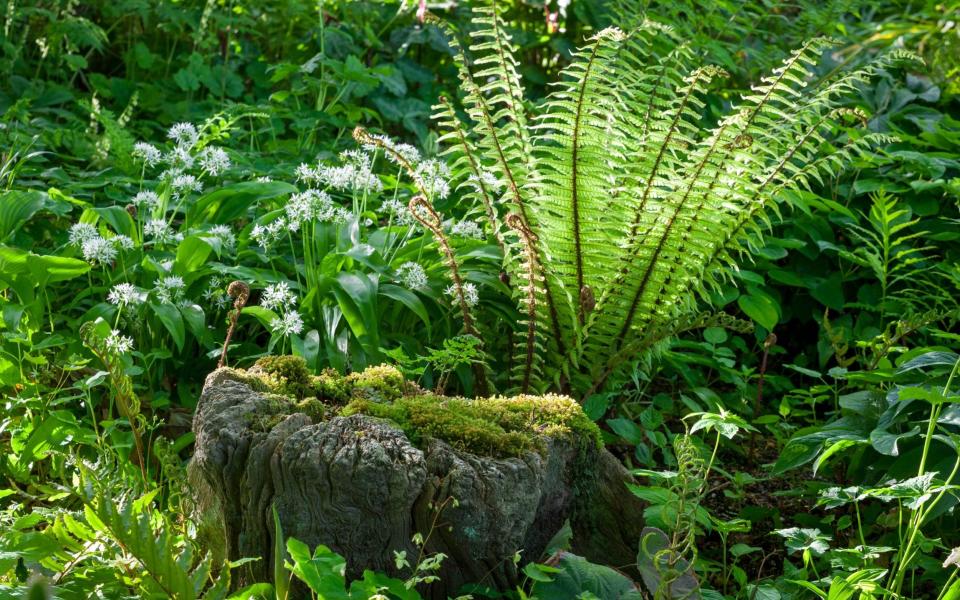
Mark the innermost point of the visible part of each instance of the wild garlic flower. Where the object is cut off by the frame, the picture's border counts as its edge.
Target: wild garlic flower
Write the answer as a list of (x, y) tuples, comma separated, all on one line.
[(214, 160), (470, 294), (307, 174), (120, 344), (148, 153), (126, 294), (490, 182), (184, 184), (267, 235), (354, 175), (406, 151), (169, 289), (312, 205), (291, 322), (278, 296), (161, 232), (81, 232), (184, 134), (412, 276), (146, 199), (264, 179), (226, 236), (123, 242), (98, 250), (311, 65), (179, 159), (468, 229), (435, 176), (215, 294)]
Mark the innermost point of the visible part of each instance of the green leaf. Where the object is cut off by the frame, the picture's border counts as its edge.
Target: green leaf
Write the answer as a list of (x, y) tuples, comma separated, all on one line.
[(280, 577), (192, 253), (172, 320), (16, 208), (118, 218), (577, 576), (323, 572), (232, 201), (761, 308), (408, 299)]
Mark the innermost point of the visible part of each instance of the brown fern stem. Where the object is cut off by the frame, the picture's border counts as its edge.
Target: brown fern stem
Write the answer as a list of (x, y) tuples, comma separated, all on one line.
[(240, 292), (527, 237), (433, 222)]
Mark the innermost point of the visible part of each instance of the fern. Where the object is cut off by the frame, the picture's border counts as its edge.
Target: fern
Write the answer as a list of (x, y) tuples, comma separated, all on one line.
[(622, 206), (169, 568)]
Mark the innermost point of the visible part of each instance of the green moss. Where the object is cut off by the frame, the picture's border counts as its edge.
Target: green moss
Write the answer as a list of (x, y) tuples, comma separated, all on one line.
[(498, 426), (377, 384), (286, 375)]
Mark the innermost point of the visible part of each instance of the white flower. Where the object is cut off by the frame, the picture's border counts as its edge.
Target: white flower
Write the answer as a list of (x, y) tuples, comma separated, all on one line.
[(122, 241), (434, 175), (953, 559), (120, 344), (308, 206), (470, 294), (179, 159), (146, 199), (148, 153), (160, 231), (468, 229), (277, 296), (412, 276), (307, 174), (215, 294), (368, 222), (169, 289), (227, 239), (266, 235), (98, 250), (489, 181), (405, 151), (81, 232), (126, 294), (287, 324), (311, 65), (354, 175), (185, 134), (185, 184), (214, 160), (264, 179)]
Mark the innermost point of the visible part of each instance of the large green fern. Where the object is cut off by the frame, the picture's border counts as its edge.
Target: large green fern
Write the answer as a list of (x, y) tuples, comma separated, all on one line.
[(617, 205)]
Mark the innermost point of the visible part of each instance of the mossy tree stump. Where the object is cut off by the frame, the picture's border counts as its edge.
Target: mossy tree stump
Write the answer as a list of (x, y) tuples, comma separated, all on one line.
[(362, 463)]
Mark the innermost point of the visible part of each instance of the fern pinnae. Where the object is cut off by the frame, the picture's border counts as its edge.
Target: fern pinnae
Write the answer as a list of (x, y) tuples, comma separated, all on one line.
[(531, 267), (468, 154)]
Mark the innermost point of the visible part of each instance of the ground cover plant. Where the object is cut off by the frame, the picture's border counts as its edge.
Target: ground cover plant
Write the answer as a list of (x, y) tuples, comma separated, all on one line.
[(728, 230)]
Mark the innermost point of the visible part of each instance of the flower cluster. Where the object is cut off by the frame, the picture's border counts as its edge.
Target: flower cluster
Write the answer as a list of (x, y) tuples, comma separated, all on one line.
[(94, 247), (126, 294), (279, 298), (470, 293), (170, 289), (412, 276)]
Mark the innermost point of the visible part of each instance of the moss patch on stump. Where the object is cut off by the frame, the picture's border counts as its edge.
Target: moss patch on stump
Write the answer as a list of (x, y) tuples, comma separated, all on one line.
[(499, 426)]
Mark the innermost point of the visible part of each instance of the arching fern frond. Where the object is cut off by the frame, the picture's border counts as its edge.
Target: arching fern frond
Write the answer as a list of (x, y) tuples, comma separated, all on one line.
[(622, 204)]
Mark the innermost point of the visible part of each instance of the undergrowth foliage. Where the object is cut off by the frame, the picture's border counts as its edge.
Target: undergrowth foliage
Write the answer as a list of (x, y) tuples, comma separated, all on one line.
[(617, 203)]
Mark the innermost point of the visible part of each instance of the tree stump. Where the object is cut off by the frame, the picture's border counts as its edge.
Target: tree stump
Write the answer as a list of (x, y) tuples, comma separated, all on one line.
[(362, 463)]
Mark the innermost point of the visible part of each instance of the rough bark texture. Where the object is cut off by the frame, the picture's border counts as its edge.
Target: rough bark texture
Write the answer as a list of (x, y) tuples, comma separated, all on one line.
[(357, 485)]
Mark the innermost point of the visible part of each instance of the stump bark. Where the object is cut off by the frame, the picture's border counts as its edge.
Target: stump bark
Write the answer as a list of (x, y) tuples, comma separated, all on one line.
[(358, 485)]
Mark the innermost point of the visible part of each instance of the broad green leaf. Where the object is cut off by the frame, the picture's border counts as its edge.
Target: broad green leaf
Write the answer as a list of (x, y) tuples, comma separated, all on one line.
[(231, 202), (577, 576), (408, 299), (172, 320), (761, 308), (16, 208)]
